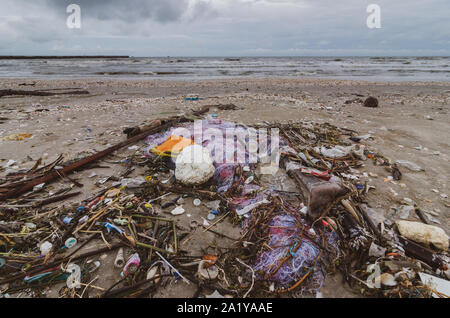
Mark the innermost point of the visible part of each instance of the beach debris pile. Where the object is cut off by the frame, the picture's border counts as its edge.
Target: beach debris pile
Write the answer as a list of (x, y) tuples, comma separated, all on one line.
[(152, 231)]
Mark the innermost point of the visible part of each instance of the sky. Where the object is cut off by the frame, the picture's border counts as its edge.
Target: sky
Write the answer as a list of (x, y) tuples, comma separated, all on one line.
[(225, 28)]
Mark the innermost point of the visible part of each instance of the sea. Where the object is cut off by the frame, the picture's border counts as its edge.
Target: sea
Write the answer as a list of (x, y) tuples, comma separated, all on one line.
[(392, 69)]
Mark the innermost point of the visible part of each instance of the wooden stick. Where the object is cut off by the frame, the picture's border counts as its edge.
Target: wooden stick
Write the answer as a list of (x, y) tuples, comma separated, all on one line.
[(219, 220)]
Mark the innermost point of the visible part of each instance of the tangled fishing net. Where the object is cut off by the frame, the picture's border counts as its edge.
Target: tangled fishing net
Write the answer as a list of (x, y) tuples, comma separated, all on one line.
[(295, 254)]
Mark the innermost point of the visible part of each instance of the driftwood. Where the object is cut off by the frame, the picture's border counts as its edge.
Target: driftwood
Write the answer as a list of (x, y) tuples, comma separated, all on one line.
[(13, 92), (127, 289), (55, 199), (134, 131), (224, 106)]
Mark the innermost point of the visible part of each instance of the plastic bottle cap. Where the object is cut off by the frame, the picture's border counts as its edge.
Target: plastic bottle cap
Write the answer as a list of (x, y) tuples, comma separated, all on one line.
[(70, 242)]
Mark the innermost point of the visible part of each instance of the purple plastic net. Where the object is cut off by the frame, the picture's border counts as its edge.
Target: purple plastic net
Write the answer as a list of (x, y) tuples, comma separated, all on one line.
[(284, 239), (230, 145)]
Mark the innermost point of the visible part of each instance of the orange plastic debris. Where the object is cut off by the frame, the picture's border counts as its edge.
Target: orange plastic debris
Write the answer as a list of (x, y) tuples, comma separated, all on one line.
[(174, 144), (212, 260)]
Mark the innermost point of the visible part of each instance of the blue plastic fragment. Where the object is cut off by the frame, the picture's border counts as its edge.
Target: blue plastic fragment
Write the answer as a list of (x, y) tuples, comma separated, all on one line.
[(110, 227), (67, 220), (291, 248)]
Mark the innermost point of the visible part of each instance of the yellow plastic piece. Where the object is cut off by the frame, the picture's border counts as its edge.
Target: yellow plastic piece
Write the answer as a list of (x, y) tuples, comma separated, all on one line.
[(173, 145)]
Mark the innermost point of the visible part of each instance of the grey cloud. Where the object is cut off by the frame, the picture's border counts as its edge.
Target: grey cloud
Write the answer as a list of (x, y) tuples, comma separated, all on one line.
[(130, 11), (228, 27)]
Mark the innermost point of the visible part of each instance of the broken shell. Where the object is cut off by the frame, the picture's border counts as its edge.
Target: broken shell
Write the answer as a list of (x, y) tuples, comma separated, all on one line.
[(152, 272), (216, 294), (205, 222), (207, 273), (388, 280), (178, 210), (272, 287)]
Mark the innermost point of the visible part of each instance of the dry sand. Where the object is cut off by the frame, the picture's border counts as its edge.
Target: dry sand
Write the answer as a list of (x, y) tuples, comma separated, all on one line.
[(410, 115)]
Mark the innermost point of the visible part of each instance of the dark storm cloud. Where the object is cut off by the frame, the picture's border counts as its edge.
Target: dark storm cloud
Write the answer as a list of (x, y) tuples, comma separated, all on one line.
[(129, 11)]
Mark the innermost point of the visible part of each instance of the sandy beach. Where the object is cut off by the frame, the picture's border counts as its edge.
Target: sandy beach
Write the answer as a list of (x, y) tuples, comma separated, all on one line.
[(411, 123)]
